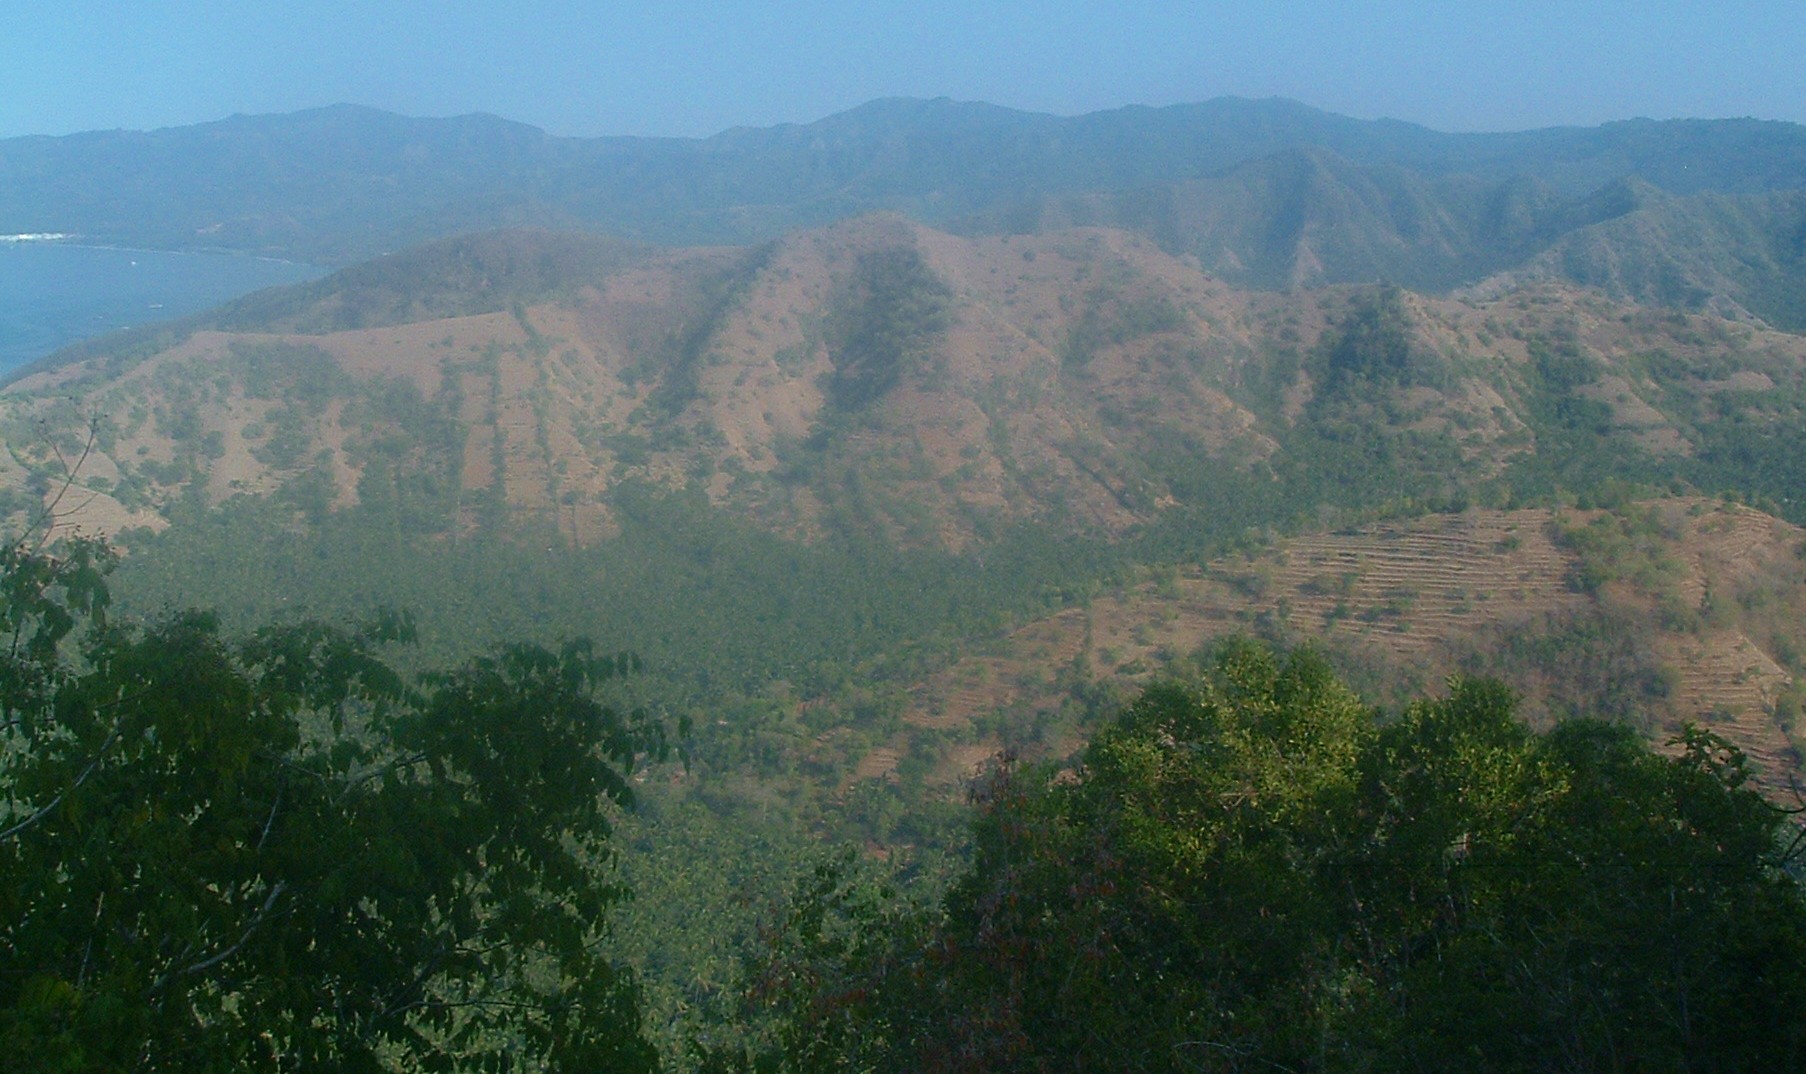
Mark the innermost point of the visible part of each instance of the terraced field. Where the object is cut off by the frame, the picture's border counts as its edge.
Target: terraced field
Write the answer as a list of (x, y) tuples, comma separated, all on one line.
[(1413, 597), (1728, 684), (988, 681), (1746, 571), (1410, 587)]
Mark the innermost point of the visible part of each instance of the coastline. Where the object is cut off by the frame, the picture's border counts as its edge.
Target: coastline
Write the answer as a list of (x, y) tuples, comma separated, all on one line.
[(58, 292), (63, 239)]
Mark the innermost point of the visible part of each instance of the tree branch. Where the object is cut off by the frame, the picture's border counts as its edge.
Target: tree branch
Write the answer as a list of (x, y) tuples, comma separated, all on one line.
[(50, 806), (271, 819), (48, 514), (211, 961)]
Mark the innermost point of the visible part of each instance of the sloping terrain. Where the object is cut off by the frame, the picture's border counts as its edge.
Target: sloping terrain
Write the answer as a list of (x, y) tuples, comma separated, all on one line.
[(1714, 635), (341, 184), (888, 391), (880, 378), (1307, 218), (1735, 256)]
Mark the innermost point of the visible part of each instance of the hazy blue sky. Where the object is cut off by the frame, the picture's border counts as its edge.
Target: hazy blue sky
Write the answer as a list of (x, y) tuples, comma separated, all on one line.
[(697, 68)]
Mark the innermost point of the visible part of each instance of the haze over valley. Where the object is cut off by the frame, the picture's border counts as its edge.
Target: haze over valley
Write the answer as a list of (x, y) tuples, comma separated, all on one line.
[(1214, 586)]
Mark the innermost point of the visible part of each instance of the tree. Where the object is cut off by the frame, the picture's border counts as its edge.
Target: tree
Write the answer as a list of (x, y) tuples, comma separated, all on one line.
[(1161, 908), (1251, 871), (281, 853), (1572, 900), (1373, 342)]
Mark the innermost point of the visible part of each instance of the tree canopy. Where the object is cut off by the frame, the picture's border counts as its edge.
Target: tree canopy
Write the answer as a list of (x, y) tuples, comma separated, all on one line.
[(281, 853), (1250, 871)]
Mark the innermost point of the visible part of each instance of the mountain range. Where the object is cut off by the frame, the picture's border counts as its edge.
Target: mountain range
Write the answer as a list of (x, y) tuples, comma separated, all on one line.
[(886, 377), (1268, 193), (959, 367), (895, 455)]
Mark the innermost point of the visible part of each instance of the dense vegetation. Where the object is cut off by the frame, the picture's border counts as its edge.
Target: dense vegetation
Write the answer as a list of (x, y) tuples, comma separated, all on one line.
[(230, 854), (1249, 871), (883, 327), (254, 854), (795, 657)]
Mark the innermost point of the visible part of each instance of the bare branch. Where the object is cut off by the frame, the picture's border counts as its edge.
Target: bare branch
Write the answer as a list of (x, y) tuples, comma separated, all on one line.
[(50, 807), (271, 820), (208, 963), (46, 518)]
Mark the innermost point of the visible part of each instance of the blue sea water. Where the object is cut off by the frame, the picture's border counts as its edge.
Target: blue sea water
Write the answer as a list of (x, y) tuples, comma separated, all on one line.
[(53, 294)]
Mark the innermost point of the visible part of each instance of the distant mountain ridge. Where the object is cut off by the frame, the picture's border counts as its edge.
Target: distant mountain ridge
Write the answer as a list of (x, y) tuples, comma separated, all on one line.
[(343, 183), (1310, 218), (1733, 255)]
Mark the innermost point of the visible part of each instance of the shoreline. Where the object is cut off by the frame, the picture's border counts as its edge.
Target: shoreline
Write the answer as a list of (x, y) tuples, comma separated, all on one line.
[(43, 239), (62, 293)]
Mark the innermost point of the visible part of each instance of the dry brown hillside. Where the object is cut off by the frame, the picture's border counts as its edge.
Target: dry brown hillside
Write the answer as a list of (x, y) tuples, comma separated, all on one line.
[(874, 375), (1702, 618)]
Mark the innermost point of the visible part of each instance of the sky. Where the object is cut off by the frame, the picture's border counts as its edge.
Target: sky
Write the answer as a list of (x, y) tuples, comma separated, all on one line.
[(693, 69)]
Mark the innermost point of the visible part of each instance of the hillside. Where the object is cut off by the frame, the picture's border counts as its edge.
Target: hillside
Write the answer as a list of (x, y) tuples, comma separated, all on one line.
[(868, 496), (1659, 613), (1737, 256), (1308, 218), (880, 378), (342, 184), (873, 501)]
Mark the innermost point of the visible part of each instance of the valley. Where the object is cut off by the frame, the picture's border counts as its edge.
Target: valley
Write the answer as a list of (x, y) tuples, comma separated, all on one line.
[(892, 391), (909, 482)]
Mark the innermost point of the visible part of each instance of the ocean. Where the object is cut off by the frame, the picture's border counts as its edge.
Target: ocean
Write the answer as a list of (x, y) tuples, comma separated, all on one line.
[(53, 294)]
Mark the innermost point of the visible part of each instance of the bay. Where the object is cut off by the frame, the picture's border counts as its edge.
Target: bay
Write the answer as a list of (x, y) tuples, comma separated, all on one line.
[(53, 294)]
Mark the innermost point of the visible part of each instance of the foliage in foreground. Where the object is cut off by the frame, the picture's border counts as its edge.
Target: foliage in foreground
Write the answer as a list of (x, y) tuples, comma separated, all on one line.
[(280, 854), (1250, 872)]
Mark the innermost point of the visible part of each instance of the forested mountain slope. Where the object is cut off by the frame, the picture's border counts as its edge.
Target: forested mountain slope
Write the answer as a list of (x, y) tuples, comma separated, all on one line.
[(336, 185), (1307, 218), (955, 427), (1737, 256)]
